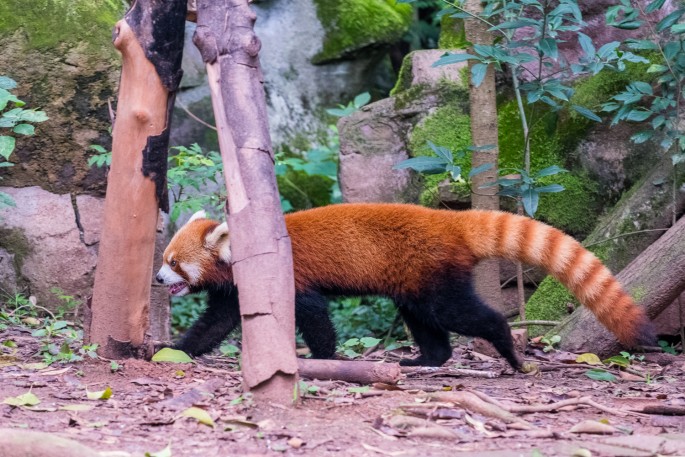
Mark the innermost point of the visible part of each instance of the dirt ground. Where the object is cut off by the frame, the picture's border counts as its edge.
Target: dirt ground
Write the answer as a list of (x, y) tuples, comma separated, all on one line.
[(642, 413)]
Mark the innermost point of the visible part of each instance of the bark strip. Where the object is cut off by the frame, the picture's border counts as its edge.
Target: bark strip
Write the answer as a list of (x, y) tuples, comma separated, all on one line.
[(262, 258), (361, 372)]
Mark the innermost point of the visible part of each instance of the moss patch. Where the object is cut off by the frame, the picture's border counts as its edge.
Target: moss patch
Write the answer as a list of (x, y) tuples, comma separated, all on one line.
[(15, 242), (452, 34), (354, 24), (49, 23)]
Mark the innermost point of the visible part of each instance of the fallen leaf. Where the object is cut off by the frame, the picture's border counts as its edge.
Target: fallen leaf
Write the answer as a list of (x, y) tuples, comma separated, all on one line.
[(166, 452), (172, 356), (54, 372), (34, 366), (100, 395), (629, 376), (588, 358), (27, 399), (199, 415), (478, 425), (594, 427), (295, 443), (77, 407), (600, 375), (368, 447)]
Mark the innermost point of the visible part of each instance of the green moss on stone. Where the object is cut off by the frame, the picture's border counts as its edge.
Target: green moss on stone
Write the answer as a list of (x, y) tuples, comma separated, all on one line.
[(404, 77), (452, 34), (15, 242), (50, 23), (350, 25)]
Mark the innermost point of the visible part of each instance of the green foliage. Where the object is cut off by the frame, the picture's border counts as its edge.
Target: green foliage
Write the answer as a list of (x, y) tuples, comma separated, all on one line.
[(639, 101), (190, 172), (355, 347), (185, 310), (103, 158), (357, 317), (14, 121), (351, 25), (550, 342), (598, 374)]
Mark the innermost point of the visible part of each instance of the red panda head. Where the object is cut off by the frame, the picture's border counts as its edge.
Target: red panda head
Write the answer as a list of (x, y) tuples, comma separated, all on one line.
[(198, 254)]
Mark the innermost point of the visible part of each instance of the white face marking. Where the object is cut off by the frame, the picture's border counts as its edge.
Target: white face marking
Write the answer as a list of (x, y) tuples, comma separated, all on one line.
[(169, 276), (193, 270)]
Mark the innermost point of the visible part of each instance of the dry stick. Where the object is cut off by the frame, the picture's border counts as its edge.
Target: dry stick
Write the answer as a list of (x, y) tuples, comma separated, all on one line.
[(533, 322), (437, 371), (189, 113), (472, 402)]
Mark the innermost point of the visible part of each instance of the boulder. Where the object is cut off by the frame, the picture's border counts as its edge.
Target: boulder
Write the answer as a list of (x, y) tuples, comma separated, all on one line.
[(61, 55), (315, 54), (53, 251)]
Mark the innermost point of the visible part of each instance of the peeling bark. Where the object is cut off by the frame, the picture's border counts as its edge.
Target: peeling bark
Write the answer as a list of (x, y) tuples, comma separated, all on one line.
[(262, 259), (136, 186), (654, 279)]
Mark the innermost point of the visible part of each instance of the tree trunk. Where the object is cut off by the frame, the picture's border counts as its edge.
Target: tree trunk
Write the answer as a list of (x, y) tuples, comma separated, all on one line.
[(654, 279), (136, 185), (484, 132), (260, 245)]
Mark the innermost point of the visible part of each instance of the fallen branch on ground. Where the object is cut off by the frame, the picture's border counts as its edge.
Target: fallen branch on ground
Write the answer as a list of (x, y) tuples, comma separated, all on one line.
[(350, 371)]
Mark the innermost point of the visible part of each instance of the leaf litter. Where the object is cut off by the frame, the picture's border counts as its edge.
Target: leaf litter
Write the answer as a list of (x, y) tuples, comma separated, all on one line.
[(474, 404)]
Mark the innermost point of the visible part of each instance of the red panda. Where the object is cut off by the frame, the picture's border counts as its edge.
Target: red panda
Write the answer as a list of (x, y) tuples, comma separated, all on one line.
[(421, 258)]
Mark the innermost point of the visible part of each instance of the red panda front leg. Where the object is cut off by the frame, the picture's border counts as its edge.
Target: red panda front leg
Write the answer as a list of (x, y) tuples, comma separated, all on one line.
[(433, 342), (219, 319)]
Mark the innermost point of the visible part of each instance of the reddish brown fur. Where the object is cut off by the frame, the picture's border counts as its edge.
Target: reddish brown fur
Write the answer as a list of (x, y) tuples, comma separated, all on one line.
[(400, 247)]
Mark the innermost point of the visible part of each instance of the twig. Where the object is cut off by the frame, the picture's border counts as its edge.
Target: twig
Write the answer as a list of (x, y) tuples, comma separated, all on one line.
[(33, 306), (534, 322), (438, 371), (189, 113)]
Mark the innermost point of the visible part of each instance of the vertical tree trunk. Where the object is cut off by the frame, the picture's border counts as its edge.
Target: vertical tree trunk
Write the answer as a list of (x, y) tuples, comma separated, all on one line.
[(150, 39), (484, 132), (260, 245)]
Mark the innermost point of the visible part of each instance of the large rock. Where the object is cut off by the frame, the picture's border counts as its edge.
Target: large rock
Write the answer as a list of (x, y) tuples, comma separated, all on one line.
[(377, 137), (294, 35), (61, 55), (52, 239)]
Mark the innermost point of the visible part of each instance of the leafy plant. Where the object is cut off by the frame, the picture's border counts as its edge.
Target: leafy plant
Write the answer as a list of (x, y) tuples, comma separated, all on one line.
[(353, 106), (365, 316), (354, 347), (667, 348), (527, 188), (14, 121), (550, 342)]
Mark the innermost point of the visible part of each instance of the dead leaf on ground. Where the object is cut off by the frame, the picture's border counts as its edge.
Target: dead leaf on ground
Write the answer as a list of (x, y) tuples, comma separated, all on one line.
[(593, 427)]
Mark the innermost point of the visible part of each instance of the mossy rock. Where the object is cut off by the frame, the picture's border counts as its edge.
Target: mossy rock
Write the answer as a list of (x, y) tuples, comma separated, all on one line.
[(452, 34), (61, 55), (54, 23), (351, 25), (15, 242)]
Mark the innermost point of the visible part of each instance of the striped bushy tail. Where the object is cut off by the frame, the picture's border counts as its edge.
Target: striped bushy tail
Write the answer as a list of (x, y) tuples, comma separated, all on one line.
[(499, 234)]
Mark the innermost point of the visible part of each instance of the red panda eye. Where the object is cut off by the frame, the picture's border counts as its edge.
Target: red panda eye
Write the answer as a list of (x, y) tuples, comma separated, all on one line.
[(173, 263)]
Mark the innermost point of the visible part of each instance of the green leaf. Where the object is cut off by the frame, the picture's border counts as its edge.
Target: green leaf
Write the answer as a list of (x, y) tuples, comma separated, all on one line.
[(677, 28), (171, 355), (549, 171), (7, 144), (552, 188), (530, 198), (586, 113), (618, 360), (429, 165), (79, 407), (655, 5), (641, 137), (454, 58), (31, 115), (24, 129), (480, 169), (100, 395), (358, 390), (199, 415), (638, 115), (369, 342), (669, 20), (656, 68), (600, 375), (586, 44), (548, 46), (27, 399), (7, 83), (478, 72), (362, 99)]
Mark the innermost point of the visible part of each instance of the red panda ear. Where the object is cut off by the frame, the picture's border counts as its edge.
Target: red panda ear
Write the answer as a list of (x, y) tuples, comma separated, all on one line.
[(218, 239), (198, 215)]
